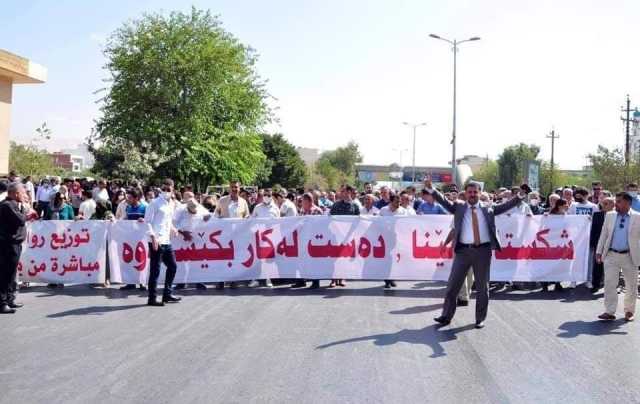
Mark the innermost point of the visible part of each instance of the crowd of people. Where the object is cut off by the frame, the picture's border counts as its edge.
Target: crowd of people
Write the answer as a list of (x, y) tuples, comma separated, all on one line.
[(167, 209)]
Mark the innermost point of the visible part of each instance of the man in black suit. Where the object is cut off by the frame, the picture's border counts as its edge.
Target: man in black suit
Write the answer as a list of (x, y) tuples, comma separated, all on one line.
[(474, 239), (12, 234), (607, 204)]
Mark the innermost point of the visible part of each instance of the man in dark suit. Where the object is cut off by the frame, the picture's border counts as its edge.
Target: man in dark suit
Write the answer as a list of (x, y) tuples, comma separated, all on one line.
[(474, 239), (12, 234)]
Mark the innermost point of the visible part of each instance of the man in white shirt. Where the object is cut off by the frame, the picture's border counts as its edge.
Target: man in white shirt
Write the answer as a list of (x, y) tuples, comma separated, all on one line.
[(100, 192), (393, 208), (406, 202), (159, 216), (581, 206), (266, 207), (287, 207), (369, 208), (43, 196), (87, 207), (522, 209), (30, 189)]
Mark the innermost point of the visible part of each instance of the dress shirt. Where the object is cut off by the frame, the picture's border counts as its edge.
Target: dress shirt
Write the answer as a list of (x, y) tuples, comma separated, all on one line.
[(370, 212), (386, 211), (159, 215), (288, 209), (427, 208), (620, 238), (266, 210), (43, 193), (87, 209), (466, 233), (185, 220)]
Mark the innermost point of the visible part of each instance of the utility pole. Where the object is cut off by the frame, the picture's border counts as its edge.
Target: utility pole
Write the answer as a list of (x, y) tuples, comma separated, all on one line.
[(553, 138), (627, 120)]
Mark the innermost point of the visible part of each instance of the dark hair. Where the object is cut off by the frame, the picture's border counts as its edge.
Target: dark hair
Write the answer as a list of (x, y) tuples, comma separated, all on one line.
[(581, 191), (393, 197), (625, 195), (291, 196), (557, 206), (349, 188), (135, 193), (87, 194), (470, 184), (168, 182), (632, 185), (308, 197)]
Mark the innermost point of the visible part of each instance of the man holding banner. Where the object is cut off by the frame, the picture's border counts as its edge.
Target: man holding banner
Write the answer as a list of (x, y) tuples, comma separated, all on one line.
[(474, 239), (159, 215)]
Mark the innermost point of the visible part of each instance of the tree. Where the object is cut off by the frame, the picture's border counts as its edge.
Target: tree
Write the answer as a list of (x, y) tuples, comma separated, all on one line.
[(338, 166), (184, 101), (511, 163), (609, 167), (488, 174), (283, 164), (29, 160)]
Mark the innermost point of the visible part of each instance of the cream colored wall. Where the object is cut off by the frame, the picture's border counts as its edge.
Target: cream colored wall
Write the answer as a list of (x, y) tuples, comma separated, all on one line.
[(5, 121)]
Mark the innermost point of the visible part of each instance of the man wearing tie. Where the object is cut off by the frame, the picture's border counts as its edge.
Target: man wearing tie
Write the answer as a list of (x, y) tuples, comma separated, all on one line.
[(474, 239), (618, 250)]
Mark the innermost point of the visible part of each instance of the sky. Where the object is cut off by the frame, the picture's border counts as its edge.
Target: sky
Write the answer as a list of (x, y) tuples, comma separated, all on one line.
[(355, 70)]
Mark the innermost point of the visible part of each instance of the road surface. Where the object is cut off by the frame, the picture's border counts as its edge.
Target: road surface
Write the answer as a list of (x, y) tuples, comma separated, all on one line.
[(358, 344)]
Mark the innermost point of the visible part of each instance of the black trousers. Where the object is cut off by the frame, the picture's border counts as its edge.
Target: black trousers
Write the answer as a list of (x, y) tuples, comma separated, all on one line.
[(597, 277), (9, 257), (479, 259), (165, 255)]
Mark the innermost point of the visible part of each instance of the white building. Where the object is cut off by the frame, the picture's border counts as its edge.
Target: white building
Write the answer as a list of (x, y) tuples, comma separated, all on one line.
[(81, 157)]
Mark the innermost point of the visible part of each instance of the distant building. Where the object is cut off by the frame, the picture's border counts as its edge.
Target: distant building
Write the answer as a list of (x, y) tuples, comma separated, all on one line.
[(82, 151), (473, 161), (68, 162), (309, 156), (401, 175)]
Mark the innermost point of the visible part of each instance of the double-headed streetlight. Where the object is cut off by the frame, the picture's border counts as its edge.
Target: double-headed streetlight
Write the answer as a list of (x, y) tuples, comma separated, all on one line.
[(455, 44), (414, 126)]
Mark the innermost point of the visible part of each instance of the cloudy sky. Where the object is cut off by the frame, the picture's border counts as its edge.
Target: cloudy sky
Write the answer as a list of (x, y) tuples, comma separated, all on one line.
[(357, 69)]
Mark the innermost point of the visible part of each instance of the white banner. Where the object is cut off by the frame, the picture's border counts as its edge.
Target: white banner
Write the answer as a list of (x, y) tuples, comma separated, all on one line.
[(539, 248), (60, 251)]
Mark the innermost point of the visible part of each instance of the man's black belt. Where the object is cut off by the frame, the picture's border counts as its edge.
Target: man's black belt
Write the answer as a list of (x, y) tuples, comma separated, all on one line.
[(462, 245), (618, 251)]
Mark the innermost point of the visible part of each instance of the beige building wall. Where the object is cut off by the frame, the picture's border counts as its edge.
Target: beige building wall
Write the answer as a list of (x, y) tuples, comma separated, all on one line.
[(14, 69), (5, 121)]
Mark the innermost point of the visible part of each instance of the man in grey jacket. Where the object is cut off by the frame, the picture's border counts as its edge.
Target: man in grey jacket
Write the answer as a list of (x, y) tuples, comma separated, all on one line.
[(474, 239)]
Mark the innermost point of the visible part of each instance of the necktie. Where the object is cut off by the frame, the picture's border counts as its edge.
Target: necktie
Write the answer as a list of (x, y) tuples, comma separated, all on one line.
[(475, 226)]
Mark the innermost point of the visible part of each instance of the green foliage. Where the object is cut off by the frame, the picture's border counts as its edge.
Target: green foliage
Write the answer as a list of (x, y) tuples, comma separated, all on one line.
[(609, 167), (337, 167), (488, 174), (283, 164), (184, 101), (511, 163), (29, 160)]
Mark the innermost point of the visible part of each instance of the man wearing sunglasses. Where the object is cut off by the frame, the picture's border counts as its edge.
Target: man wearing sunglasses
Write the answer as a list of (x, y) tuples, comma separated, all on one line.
[(618, 250)]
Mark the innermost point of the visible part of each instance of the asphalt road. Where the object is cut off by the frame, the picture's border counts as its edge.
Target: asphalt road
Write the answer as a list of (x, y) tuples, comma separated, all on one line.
[(353, 345)]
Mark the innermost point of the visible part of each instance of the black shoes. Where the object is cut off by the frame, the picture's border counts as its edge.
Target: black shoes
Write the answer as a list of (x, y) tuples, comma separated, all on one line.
[(442, 320), (480, 325), (461, 302), (171, 299), (15, 305), (154, 302), (5, 309), (128, 287), (315, 285)]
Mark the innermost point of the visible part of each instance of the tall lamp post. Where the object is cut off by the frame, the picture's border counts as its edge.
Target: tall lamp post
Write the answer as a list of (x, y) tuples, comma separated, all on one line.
[(455, 44), (414, 126)]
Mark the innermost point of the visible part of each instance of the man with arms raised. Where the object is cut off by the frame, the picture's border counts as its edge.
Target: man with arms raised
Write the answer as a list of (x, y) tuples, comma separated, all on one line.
[(474, 239)]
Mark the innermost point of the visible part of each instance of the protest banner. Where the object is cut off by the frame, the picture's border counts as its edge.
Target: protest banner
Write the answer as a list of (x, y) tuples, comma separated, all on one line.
[(538, 248), (61, 251)]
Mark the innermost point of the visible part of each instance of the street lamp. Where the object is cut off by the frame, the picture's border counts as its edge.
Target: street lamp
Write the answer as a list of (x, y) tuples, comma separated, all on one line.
[(455, 44), (400, 151), (414, 126)]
